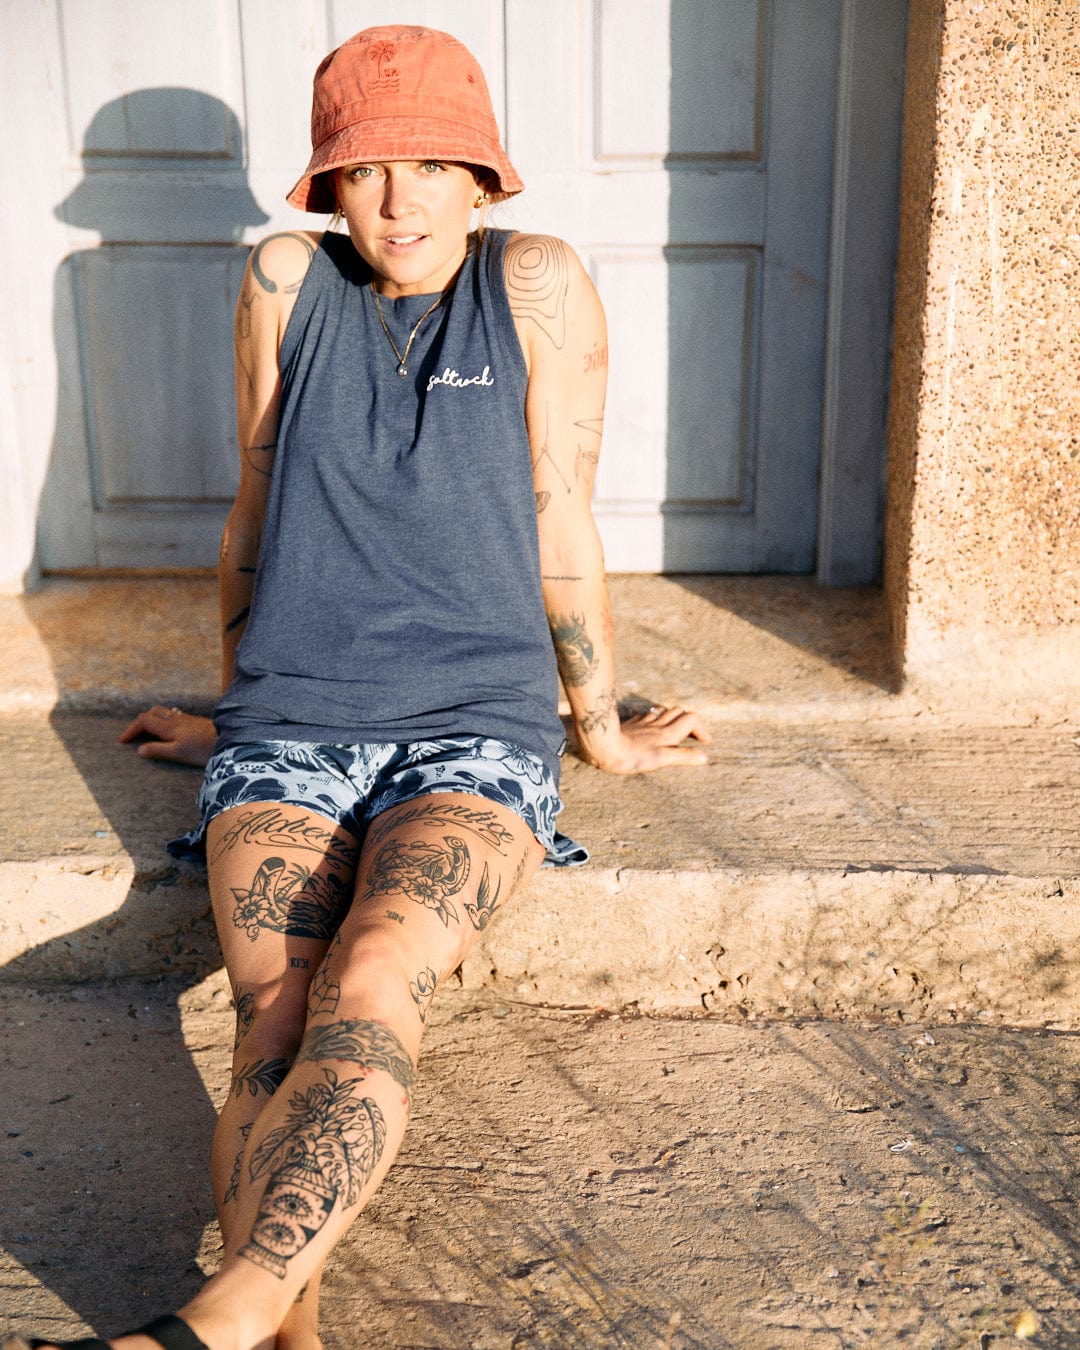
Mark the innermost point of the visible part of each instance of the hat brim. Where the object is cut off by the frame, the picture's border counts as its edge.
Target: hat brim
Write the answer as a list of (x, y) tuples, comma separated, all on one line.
[(376, 139)]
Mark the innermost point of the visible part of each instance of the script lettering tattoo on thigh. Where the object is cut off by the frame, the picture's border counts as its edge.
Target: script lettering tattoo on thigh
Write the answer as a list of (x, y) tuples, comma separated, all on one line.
[(481, 821), (427, 873), (270, 826), (292, 900), (233, 1188), (327, 1150), (266, 1074), (573, 647), (245, 1016), (324, 993), (487, 901), (372, 1045), (537, 280), (423, 991), (600, 713)]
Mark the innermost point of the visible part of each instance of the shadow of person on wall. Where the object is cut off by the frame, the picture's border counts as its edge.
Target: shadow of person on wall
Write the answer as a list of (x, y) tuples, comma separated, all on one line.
[(142, 470)]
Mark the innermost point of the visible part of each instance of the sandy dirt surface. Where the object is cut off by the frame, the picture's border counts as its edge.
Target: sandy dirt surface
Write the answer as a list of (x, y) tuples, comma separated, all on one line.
[(575, 1181)]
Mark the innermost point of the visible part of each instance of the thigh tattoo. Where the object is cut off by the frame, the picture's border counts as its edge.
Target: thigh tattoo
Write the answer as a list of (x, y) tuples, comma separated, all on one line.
[(290, 899)]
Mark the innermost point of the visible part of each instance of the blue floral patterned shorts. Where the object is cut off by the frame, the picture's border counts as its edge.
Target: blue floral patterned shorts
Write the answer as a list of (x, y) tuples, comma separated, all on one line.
[(352, 784)]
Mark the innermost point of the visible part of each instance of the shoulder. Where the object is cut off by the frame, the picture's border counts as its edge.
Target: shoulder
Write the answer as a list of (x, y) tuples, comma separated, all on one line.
[(533, 261), (279, 263), (549, 291)]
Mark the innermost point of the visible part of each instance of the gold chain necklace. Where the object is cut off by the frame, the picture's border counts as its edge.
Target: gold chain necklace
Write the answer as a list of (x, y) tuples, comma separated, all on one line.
[(403, 357)]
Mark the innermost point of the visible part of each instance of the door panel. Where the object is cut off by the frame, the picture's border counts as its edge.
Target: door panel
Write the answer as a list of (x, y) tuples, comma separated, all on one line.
[(683, 148)]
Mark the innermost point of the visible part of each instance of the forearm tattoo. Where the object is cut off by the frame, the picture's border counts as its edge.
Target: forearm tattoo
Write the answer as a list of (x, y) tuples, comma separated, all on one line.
[(370, 1045), (325, 1152), (574, 649), (290, 899), (600, 713), (261, 458), (427, 873), (271, 827)]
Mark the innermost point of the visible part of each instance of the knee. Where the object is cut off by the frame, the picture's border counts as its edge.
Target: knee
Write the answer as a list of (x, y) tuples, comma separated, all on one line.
[(375, 964), (270, 1018)]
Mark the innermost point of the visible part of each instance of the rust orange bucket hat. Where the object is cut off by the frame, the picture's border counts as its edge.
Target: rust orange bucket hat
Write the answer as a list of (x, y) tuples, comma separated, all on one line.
[(400, 92)]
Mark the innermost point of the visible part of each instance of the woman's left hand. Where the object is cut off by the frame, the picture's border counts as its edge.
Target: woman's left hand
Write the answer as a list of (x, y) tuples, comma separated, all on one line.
[(654, 740), (172, 735)]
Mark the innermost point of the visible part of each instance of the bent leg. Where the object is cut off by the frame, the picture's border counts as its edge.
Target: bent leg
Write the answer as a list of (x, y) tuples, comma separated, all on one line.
[(433, 873)]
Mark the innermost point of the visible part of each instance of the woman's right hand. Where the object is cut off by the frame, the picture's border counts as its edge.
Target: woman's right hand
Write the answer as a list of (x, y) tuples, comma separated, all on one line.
[(173, 735)]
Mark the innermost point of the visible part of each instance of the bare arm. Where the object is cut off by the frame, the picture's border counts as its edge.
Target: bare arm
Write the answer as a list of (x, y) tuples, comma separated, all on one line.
[(564, 338), (275, 271)]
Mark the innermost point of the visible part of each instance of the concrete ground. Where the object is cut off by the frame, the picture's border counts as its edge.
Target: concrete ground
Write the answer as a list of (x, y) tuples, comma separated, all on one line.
[(792, 1062)]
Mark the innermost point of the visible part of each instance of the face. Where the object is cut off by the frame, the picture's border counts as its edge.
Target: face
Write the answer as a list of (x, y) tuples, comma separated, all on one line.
[(409, 220)]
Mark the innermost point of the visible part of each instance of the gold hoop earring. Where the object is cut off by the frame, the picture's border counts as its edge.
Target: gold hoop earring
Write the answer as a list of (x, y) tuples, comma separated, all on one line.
[(482, 200), (335, 219)]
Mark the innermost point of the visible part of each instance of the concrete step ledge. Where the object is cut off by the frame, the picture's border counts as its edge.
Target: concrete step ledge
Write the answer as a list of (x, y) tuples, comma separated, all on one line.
[(883, 944)]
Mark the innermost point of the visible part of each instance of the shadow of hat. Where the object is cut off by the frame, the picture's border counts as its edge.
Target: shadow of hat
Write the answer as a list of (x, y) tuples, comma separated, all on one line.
[(163, 165)]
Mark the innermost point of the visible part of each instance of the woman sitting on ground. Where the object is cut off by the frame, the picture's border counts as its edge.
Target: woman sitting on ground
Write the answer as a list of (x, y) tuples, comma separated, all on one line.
[(410, 554)]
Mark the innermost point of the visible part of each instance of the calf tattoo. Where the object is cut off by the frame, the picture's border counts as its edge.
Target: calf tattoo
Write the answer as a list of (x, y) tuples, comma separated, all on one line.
[(233, 1188), (292, 900), (327, 1150), (262, 1073), (426, 873)]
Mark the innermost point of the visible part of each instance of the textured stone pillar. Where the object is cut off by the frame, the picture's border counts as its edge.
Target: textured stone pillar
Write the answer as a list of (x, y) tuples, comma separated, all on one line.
[(982, 569)]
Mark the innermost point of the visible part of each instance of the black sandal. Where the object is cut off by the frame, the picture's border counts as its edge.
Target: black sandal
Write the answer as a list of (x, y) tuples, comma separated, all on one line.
[(170, 1332)]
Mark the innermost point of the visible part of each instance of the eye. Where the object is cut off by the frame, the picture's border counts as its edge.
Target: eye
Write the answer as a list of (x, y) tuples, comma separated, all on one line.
[(431, 166), (361, 171)]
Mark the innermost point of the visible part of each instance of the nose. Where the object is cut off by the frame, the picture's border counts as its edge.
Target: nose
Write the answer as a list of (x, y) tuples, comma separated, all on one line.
[(397, 199)]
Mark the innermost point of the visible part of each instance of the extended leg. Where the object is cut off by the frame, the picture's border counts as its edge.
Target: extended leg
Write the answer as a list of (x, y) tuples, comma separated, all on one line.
[(280, 880)]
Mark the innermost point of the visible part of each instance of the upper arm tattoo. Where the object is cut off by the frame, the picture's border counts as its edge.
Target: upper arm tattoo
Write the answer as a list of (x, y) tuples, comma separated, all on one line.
[(267, 283), (537, 280)]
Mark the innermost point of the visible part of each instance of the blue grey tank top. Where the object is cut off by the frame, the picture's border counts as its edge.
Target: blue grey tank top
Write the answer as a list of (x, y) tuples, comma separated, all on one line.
[(398, 596)]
